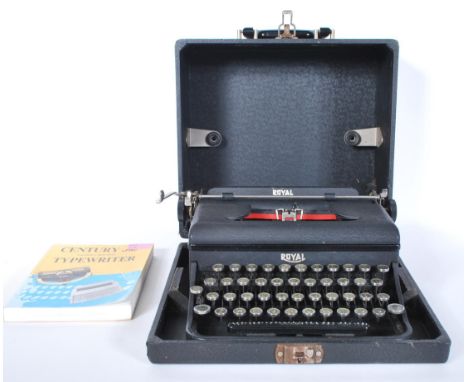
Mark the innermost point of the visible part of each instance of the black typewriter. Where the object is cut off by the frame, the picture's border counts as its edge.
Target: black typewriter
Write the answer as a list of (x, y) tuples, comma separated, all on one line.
[(285, 143)]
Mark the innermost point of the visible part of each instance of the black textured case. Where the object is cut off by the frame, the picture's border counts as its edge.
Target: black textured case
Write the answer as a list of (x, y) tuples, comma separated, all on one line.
[(282, 108)]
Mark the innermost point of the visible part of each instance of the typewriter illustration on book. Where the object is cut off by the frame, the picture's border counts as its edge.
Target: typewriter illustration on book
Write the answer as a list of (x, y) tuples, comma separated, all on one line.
[(63, 276), (285, 194), (84, 293)]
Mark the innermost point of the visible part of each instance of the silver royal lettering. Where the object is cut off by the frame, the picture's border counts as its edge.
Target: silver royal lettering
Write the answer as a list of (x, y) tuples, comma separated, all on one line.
[(282, 192), (293, 257)]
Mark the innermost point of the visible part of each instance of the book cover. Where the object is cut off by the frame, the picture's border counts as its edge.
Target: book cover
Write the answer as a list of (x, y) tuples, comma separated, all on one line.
[(83, 283)]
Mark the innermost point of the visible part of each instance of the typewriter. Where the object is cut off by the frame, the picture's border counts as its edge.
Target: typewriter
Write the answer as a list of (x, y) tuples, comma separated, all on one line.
[(285, 194)]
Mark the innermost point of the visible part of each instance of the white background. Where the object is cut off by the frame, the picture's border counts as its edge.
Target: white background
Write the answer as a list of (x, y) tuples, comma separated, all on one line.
[(88, 137)]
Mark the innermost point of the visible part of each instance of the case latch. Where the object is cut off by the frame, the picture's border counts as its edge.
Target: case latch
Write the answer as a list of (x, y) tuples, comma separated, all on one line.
[(299, 353), (286, 30)]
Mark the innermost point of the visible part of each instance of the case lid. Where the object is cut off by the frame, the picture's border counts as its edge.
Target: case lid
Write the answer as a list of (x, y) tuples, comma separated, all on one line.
[(284, 113)]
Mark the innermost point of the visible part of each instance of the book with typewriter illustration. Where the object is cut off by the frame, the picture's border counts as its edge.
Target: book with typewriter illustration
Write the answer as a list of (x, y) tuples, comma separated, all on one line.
[(82, 283)]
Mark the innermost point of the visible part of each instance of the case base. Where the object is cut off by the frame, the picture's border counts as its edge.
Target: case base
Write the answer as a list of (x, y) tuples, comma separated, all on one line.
[(169, 343)]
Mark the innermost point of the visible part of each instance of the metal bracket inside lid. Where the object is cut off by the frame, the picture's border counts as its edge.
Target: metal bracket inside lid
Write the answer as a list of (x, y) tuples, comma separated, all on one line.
[(203, 138), (371, 137)]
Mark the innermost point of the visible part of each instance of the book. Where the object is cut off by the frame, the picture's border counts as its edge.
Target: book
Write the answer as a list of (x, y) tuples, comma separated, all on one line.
[(83, 283)]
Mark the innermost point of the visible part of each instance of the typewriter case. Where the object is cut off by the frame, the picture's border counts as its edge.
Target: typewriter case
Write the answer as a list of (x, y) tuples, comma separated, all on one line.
[(268, 118)]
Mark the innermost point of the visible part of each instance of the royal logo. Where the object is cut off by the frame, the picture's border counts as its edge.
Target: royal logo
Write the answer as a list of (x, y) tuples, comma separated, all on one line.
[(282, 192), (294, 258)]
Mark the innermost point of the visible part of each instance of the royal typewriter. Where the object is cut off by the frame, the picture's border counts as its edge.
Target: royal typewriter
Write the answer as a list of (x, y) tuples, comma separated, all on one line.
[(285, 195)]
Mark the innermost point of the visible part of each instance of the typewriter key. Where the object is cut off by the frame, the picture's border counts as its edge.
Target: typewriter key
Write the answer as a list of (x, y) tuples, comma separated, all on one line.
[(247, 297), (343, 313), (314, 297), (364, 269), (294, 282), (281, 297), (273, 312), (290, 313), (331, 298), (217, 268), (308, 313), (230, 297), (378, 313), (395, 308), (251, 268), (300, 268), (349, 297), (268, 269), (343, 282), (360, 313), (196, 290), (284, 268), (360, 282), (261, 282), (276, 282), (201, 309), (220, 312), (326, 283), (239, 312), (317, 268), (365, 298), (333, 268), (376, 283), (226, 282), (349, 267), (383, 268), (326, 313), (383, 298), (243, 282), (297, 298), (234, 268), (264, 297), (212, 297), (210, 282), (256, 312), (310, 283)]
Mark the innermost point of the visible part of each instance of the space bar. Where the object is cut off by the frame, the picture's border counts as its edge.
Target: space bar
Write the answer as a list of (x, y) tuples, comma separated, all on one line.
[(299, 327)]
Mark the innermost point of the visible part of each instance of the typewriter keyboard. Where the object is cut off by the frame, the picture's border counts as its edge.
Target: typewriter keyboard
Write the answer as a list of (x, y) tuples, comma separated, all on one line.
[(300, 299)]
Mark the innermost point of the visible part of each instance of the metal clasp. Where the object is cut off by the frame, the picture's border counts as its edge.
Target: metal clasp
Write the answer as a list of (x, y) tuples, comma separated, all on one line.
[(299, 353), (287, 30)]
